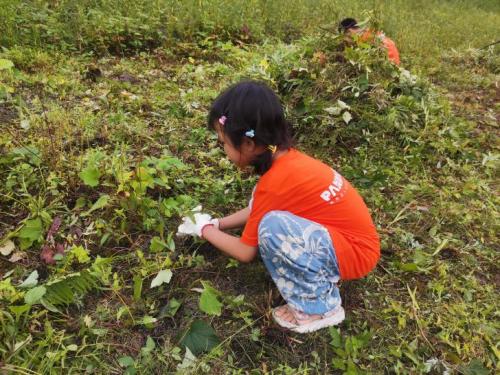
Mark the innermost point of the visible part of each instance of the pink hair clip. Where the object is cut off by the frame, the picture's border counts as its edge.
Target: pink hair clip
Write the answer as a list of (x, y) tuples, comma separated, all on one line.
[(222, 120)]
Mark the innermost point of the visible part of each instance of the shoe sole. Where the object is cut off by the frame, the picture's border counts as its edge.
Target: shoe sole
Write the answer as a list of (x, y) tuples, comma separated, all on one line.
[(333, 320), (315, 325)]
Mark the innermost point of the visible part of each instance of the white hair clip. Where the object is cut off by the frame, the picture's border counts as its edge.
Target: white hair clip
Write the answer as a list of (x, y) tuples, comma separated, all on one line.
[(250, 133)]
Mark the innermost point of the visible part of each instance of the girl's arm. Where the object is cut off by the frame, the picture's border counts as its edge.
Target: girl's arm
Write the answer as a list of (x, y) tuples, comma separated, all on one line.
[(230, 245), (236, 220)]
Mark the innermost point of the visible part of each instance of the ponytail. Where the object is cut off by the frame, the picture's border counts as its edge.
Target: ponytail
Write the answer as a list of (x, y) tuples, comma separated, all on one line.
[(262, 162), (253, 110)]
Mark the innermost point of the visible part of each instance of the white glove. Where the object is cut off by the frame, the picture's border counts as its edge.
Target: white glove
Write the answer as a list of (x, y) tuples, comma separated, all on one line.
[(193, 228), (216, 223)]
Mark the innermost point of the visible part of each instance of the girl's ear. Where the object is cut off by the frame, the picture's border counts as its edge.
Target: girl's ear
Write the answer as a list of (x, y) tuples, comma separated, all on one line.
[(248, 145)]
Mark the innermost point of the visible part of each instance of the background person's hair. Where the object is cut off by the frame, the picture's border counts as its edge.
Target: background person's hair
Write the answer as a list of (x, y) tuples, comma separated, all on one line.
[(346, 24), (252, 105)]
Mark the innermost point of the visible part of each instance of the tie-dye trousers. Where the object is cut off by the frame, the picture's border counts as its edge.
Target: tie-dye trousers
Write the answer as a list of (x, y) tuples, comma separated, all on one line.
[(300, 256)]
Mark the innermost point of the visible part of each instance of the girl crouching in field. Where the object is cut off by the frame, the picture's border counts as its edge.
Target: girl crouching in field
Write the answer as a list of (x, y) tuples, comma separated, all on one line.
[(310, 226)]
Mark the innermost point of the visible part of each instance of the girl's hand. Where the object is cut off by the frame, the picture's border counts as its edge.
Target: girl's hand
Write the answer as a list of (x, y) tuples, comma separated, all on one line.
[(194, 228), (215, 223)]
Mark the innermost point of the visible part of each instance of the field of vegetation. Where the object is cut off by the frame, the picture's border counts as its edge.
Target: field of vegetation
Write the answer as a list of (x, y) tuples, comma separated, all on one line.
[(104, 147)]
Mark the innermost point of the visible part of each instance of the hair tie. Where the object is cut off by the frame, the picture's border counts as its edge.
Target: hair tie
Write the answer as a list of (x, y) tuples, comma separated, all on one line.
[(272, 148), (222, 120), (250, 133)]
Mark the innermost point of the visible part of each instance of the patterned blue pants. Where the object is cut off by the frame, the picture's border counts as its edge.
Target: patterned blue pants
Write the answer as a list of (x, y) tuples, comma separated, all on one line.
[(300, 257)]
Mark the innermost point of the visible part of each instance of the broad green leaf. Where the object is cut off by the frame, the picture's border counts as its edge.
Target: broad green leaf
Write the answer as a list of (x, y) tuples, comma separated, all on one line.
[(170, 242), (150, 345), (237, 301), (475, 367), (408, 267), (126, 361), (7, 248), (6, 64), (169, 310), (49, 306), (143, 180), (338, 363), (200, 337), (32, 229), (209, 302), (169, 162), (30, 153), (80, 203), (58, 257), (30, 281), (101, 268), (352, 369), (122, 310), (19, 310), (163, 276), (336, 337), (100, 203), (31, 232), (157, 244), (34, 295), (148, 321), (169, 206), (90, 176), (232, 263), (82, 255), (123, 176)]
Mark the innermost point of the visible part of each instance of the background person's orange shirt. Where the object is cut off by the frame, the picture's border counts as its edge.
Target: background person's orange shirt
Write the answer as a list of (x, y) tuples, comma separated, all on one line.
[(308, 188), (388, 43), (392, 51)]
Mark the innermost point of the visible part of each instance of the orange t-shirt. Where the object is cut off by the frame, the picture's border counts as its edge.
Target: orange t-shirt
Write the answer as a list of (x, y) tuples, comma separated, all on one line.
[(388, 43), (392, 51), (308, 188)]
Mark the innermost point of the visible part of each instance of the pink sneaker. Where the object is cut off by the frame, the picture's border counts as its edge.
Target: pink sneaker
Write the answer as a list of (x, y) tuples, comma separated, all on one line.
[(304, 323)]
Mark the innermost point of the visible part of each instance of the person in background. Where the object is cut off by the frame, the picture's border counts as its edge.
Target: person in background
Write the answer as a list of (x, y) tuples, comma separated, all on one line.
[(350, 26)]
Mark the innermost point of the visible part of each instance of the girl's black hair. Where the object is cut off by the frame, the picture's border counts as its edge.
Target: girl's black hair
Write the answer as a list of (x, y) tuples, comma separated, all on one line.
[(251, 105), (346, 24)]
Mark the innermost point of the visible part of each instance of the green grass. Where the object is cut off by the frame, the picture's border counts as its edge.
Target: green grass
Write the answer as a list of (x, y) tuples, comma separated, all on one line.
[(110, 139), (422, 29)]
